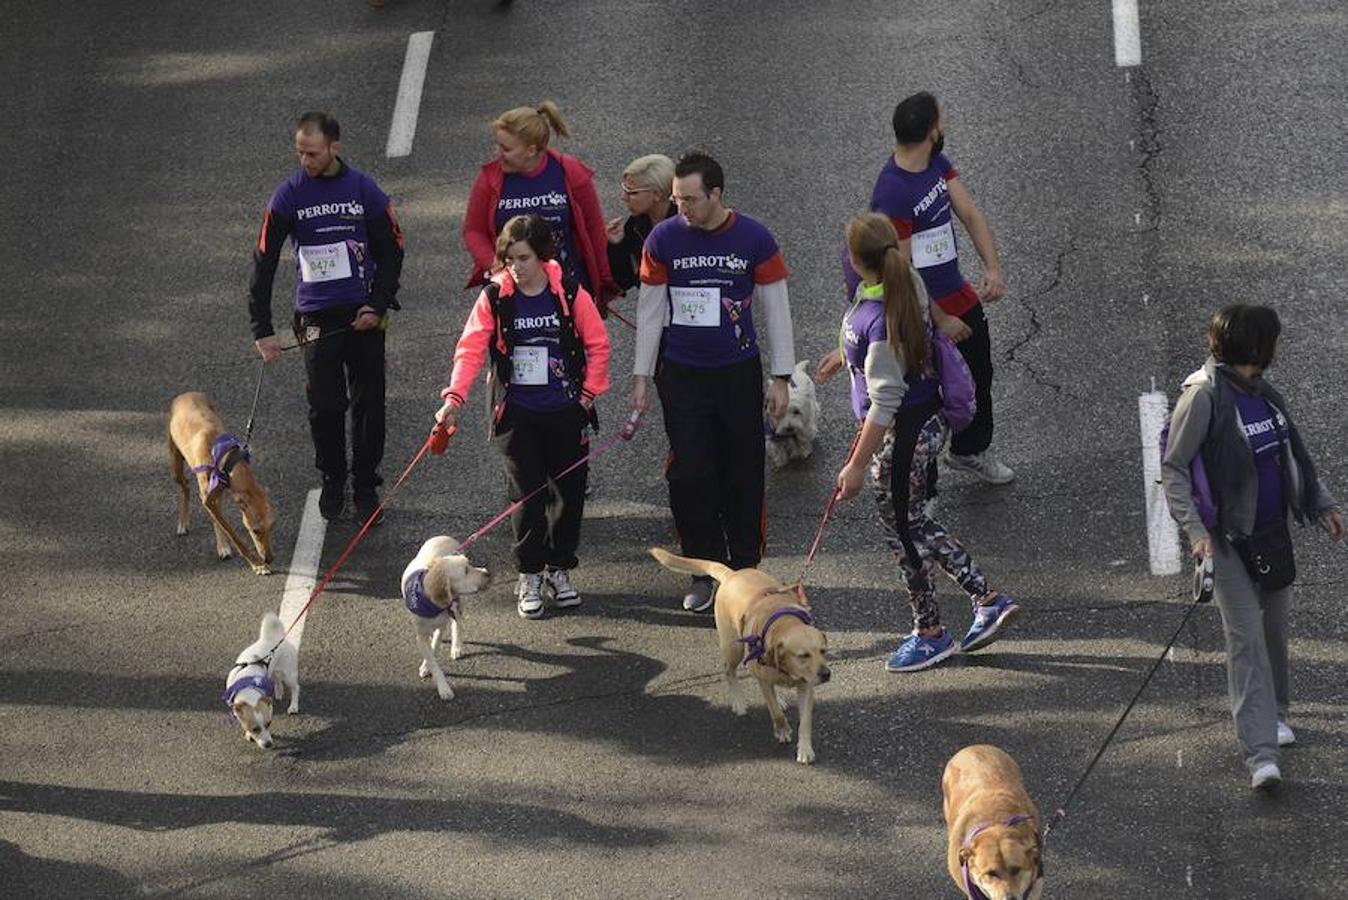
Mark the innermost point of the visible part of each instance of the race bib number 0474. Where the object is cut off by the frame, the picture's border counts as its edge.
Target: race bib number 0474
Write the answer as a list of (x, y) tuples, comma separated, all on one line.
[(324, 262)]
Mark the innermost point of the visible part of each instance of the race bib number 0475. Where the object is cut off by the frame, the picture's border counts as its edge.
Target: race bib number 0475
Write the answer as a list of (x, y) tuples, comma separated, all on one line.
[(698, 307)]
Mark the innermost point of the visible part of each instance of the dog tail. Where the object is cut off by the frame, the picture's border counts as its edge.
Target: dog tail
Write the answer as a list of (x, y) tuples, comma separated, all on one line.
[(689, 566), (272, 629)]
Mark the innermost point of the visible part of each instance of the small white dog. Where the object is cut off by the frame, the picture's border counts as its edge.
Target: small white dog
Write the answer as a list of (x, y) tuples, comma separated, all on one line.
[(793, 437), (265, 672), (432, 585)]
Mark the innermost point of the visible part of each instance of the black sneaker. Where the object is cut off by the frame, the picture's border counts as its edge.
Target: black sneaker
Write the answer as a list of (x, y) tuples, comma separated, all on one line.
[(367, 504), (332, 500), (701, 596)]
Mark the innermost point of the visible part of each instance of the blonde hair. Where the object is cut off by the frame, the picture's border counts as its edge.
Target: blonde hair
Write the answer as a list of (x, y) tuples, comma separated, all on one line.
[(875, 244), (654, 171), (533, 125)]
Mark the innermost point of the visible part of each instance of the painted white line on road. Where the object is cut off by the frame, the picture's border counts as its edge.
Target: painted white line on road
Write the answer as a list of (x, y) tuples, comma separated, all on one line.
[(1162, 534), (1127, 34), (303, 566), (404, 126)]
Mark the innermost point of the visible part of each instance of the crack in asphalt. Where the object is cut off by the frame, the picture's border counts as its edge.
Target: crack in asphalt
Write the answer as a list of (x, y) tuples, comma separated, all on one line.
[(1037, 327), (1149, 145)]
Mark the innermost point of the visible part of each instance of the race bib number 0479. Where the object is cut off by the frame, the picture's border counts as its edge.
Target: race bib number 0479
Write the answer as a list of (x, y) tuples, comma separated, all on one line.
[(934, 246)]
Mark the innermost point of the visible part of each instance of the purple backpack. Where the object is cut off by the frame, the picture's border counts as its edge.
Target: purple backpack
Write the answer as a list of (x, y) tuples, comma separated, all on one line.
[(1198, 474), (958, 400)]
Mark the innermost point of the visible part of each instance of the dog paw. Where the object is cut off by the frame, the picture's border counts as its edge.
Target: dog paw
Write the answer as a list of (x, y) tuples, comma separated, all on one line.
[(223, 552), (293, 709), (739, 707), (424, 671), (805, 755), (182, 530), (261, 570), (445, 691), (783, 735), (455, 651)]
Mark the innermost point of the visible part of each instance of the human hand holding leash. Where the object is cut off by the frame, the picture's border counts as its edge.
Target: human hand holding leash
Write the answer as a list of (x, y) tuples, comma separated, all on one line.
[(641, 388), (1333, 523), (448, 415), (269, 348), (778, 398), (1202, 548), (366, 319)]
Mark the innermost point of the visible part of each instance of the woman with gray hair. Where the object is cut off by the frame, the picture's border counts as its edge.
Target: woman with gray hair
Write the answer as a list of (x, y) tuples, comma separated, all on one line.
[(647, 185)]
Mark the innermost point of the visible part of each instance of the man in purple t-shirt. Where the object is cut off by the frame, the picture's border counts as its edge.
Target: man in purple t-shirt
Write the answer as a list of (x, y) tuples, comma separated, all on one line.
[(348, 256), (918, 188), (700, 273)]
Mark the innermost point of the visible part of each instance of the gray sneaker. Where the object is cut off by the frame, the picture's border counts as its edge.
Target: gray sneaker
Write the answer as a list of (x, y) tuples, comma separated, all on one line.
[(558, 582), (529, 591), (701, 594), (984, 465)]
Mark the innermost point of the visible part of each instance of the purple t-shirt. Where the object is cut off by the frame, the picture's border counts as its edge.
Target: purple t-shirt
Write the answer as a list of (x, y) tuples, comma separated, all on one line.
[(918, 203), (711, 277), (542, 193), (1262, 427), (326, 218), (539, 381), (863, 325)]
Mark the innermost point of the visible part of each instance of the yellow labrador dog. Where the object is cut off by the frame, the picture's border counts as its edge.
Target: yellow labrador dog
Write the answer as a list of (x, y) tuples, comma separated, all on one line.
[(197, 436), (433, 586), (767, 626), (994, 851)]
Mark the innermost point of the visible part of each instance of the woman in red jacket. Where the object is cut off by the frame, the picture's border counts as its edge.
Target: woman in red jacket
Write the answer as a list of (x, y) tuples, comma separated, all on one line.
[(550, 353), (529, 178)]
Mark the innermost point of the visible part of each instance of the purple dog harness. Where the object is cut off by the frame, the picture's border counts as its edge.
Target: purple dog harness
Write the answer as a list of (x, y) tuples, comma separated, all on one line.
[(226, 452), (258, 682), (417, 601), (757, 643), (973, 890)]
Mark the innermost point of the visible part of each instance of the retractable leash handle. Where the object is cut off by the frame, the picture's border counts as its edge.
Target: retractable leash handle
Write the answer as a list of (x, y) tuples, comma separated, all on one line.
[(440, 435), (1203, 580), (631, 425)]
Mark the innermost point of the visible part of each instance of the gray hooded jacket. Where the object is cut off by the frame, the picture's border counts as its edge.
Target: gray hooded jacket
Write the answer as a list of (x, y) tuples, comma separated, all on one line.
[(1206, 421)]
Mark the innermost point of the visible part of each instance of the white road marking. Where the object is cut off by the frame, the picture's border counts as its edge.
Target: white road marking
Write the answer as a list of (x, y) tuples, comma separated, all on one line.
[(303, 566), (1162, 534), (1179, 759), (404, 125), (1127, 34)]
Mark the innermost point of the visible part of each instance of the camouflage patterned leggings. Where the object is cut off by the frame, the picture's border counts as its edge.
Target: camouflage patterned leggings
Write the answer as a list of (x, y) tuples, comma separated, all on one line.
[(903, 475)]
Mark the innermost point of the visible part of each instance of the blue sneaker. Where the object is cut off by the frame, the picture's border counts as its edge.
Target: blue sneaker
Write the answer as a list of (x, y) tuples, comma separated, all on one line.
[(988, 622), (920, 652)]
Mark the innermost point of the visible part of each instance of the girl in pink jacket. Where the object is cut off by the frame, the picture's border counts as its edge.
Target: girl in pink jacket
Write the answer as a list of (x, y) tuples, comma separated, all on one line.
[(549, 351)]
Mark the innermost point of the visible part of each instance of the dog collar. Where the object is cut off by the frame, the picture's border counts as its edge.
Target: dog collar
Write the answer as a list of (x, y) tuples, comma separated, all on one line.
[(257, 682), (757, 643), (973, 890), (227, 451), (419, 603)]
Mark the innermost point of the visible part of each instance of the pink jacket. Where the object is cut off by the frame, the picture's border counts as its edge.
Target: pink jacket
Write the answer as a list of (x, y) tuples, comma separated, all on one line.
[(479, 222), (480, 329)]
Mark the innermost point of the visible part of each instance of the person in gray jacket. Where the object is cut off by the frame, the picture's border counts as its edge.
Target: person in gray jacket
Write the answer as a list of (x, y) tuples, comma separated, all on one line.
[(1260, 474)]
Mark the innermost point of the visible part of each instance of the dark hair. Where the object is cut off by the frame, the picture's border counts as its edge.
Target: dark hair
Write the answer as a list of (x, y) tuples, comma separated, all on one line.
[(321, 122), (915, 117), (1244, 335), (699, 162), (530, 229)]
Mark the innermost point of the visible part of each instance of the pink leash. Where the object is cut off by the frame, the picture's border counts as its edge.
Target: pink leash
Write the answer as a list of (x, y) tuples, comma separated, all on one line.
[(629, 429), (823, 521)]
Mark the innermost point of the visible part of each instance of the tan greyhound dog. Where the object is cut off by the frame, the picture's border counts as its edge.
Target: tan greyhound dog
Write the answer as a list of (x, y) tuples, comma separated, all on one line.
[(196, 434)]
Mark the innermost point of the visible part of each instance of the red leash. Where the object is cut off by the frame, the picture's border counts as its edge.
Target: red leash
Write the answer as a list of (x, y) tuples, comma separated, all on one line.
[(629, 429), (436, 442), (823, 521)]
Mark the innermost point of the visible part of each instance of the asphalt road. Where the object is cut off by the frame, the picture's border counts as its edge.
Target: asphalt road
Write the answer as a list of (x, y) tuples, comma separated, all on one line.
[(593, 753)]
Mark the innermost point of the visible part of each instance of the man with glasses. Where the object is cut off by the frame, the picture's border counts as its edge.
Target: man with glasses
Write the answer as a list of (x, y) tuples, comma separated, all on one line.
[(647, 183), (700, 272)]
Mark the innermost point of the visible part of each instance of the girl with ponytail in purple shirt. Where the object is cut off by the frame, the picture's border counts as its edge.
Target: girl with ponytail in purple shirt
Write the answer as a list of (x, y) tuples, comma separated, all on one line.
[(886, 345)]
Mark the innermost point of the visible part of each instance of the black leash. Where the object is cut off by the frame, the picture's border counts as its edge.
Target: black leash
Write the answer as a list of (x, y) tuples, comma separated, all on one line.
[(252, 413), (1061, 811)]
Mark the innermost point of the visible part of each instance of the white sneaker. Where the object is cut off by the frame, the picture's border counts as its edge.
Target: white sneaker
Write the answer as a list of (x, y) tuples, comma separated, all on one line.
[(1286, 736), (1266, 777), (529, 590), (564, 596), (984, 465)]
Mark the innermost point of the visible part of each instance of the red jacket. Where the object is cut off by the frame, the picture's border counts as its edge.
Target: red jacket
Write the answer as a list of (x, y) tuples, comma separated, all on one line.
[(587, 222), (478, 332)]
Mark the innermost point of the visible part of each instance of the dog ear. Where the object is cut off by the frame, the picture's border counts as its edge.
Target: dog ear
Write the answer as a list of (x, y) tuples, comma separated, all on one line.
[(437, 584)]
